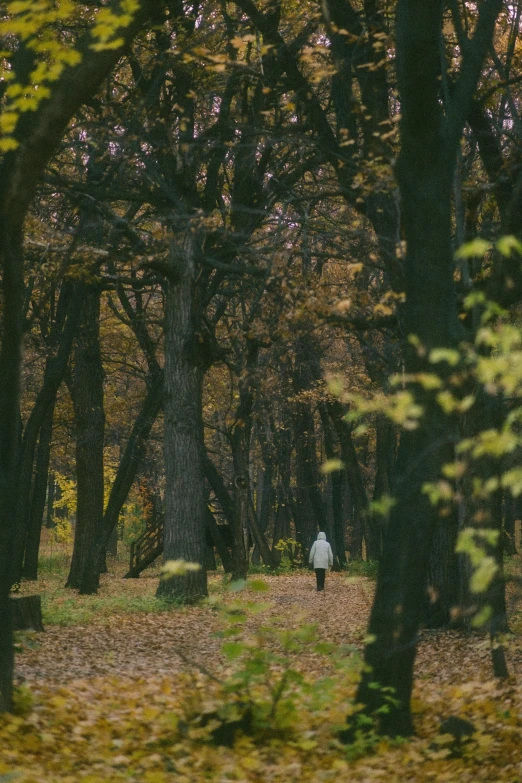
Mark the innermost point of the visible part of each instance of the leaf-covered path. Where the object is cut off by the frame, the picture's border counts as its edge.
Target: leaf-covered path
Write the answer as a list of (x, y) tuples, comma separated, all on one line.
[(140, 644), (118, 686), (114, 640)]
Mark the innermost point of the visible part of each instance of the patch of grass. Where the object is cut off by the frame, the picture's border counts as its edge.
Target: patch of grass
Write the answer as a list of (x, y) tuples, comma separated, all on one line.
[(367, 568), (64, 609), (54, 564)]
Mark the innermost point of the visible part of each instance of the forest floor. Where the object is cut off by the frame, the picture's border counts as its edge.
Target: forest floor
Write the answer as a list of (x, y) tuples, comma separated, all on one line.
[(121, 687)]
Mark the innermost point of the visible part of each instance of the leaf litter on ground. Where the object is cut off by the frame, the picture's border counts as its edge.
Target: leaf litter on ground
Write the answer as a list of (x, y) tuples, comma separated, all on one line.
[(116, 695)]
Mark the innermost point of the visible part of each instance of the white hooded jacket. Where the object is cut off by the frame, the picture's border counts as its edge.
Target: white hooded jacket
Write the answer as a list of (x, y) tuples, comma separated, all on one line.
[(321, 555)]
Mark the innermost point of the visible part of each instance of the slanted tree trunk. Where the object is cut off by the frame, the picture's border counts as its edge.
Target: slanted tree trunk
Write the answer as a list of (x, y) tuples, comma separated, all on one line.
[(38, 493), (185, 494), (282, 520), (126, 473), (217, 540), (311, 511), (60, 345), (87, 398)]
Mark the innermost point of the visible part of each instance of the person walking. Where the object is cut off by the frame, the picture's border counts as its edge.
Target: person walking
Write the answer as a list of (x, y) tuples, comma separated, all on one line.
[(321, 557)]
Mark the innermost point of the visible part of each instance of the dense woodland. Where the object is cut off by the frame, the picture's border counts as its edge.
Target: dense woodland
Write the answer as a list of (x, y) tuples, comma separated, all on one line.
[(262, 278)]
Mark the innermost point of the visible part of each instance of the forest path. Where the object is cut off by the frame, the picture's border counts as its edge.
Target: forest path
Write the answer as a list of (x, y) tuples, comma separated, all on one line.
[(110, 639)]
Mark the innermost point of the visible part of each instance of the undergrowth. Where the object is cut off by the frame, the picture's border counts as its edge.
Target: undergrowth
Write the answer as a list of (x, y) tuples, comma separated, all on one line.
[(63, 610), (367, 568)]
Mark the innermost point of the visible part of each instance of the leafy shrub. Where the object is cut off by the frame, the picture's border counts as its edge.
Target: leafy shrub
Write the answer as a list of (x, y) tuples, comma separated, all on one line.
[(291, 553), (264, 694)]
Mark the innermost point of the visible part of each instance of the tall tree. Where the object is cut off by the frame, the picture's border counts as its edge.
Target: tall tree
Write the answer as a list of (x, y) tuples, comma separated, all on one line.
[(27, 150), (430, 139)]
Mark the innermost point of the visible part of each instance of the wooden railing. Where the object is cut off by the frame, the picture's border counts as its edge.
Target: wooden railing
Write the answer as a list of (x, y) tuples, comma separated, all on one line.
[(145, 549)]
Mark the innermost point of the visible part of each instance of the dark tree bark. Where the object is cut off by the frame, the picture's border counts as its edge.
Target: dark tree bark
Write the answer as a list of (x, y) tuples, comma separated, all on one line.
[(240, 445), (512, 512), (27, 612), (282, 519), (335, 532), (49, 511), (60, 345), (185, 498), (287, 508), (371, 529), (258, 537), (38, 494), (218, 542), (127, 469), (38, 136), (425, 169), (310, 511), (87, 398), (443, 608), (312, 514), (265, 487), (10, 361)]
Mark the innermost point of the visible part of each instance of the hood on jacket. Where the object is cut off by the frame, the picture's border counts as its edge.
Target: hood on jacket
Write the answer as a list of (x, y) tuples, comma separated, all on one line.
[(321, 536)]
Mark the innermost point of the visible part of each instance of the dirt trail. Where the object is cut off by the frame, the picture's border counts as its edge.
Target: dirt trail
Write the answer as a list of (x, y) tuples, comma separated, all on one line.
[(143, 644)]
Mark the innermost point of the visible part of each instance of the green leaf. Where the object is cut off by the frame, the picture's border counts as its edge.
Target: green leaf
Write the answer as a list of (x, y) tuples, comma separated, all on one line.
[(448, 355), (383, 505), (484, 575), (177, 568), (477, 247), (482, 617), (331, 465), (505, 245)]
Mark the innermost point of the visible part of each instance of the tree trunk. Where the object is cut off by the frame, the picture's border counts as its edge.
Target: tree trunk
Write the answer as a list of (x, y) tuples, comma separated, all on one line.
[(87, 398), (11, 258), (425, 168), (60, 345), (240, 444), (27, 612), (265, 500), (49, 512), (127, 469), (39, 491), (185, 496), (512, 512), (219, 544), (282, 519), (371, 529), (442, 597), (336, 529), (39, 133), (259, 537)]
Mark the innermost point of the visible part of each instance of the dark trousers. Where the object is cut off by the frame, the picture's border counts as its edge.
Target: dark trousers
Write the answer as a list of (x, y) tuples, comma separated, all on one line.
[(320, 574)]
